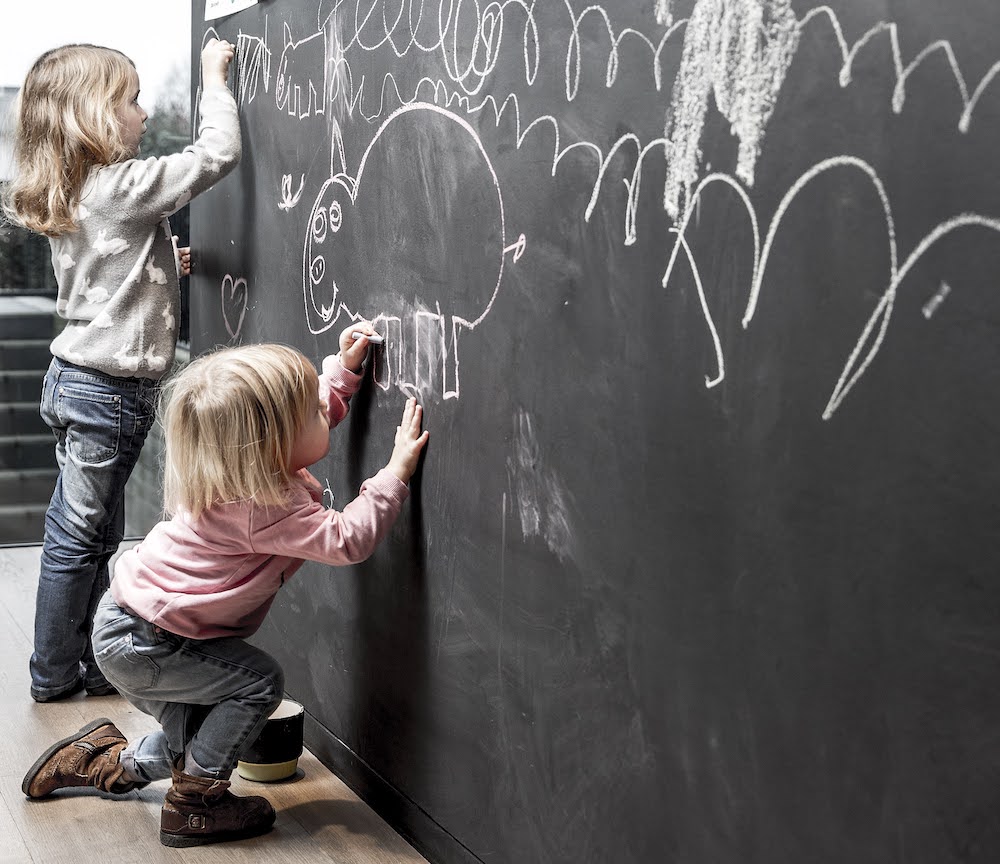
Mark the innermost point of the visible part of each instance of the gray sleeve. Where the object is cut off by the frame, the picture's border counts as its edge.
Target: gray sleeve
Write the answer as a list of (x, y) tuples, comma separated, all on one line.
[(152, 189)]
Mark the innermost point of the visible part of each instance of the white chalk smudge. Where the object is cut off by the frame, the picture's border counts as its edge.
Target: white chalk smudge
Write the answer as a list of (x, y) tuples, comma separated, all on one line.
[(664, 14), (538, 497), (931, 306), (737, 51)]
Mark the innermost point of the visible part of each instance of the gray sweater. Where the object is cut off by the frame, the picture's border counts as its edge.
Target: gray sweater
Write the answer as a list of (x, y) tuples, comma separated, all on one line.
[(118, 273)]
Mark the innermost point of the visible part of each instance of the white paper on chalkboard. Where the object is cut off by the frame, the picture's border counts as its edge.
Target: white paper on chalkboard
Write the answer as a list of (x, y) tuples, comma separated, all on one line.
[(219, 8)]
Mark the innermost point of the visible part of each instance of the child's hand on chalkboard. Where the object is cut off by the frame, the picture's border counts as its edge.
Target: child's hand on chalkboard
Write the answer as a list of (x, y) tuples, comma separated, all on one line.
[(409, 442), (215, 57), (353, 351), (183, 258)]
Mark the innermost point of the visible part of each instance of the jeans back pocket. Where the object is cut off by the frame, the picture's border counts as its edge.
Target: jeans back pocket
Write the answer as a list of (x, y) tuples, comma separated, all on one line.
[(126, 668), (92, 419)]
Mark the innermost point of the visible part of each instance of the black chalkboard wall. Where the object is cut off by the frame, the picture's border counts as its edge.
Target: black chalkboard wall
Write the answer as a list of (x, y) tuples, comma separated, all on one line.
[(701, 564)]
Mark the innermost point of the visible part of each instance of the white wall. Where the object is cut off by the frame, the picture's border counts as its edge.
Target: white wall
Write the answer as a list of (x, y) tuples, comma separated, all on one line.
[(7, 96)]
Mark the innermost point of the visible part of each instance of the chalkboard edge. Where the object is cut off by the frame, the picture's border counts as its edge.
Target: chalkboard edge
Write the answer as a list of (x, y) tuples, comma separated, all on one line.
[(404, 816)]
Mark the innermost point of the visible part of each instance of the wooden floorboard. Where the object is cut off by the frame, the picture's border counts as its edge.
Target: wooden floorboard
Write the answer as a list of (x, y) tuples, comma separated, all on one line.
[(319, 818)]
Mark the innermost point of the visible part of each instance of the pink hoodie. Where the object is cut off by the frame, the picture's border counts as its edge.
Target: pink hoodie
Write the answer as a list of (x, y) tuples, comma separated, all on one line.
[(217, 575)]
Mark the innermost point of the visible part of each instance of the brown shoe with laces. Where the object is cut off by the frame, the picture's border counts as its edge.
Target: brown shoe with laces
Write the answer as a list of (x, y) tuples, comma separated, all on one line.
[(88, 757), (200, 810)]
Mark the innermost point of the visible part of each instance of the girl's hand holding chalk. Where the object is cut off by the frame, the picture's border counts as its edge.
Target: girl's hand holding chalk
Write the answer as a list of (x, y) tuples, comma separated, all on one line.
[(354, 342), (215, 59)]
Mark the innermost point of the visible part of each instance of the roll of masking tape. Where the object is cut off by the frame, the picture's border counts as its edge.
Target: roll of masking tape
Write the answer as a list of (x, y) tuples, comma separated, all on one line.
[(275, 753)]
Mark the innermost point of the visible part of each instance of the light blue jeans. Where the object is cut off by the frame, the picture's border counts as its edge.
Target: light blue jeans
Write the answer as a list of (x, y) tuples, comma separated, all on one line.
[(100, 423), (211, 697)]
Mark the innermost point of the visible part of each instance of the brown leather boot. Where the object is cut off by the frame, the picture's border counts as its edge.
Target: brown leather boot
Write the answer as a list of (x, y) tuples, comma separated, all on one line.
[(86, 758), (200, 810)]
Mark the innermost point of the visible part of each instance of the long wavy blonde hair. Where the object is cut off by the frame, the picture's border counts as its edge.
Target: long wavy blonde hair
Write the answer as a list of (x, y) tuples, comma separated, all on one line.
[(65, 124), (231, 419)]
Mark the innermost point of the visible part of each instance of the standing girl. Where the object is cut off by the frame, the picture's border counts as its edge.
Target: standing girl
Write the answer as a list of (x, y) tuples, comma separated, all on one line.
[(242, 425), (79, 182)]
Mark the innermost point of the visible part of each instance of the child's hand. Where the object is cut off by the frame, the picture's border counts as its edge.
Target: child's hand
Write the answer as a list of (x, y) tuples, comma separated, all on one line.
[(215, 57), (353, 351), (183, 258), (409, 442)]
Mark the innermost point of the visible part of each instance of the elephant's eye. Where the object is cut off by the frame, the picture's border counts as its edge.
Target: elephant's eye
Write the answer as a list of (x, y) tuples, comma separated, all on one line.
[(336, 217), (319, 225)]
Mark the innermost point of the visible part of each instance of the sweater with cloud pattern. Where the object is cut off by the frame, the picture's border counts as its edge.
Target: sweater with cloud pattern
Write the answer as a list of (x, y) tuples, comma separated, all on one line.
[(118, 272)]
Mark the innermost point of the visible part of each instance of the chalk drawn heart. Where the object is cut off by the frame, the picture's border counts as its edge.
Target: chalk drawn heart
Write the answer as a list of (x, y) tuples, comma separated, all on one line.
[(234, 303)]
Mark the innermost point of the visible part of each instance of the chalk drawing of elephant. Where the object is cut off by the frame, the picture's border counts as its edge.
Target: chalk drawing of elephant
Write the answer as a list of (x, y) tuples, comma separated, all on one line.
[(301, 81), (415, 241)]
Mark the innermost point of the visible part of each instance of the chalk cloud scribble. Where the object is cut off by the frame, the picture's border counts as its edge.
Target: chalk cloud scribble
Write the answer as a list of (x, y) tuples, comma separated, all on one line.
[(736, 55), (738, 52)]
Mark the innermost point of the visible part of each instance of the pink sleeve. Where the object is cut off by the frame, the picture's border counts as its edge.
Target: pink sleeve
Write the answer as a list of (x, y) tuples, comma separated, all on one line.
[(336, 385), (312, 532)]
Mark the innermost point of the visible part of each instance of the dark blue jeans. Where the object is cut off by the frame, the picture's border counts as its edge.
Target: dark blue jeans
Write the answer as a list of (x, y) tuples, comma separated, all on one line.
[(100, 423), (211, 696)]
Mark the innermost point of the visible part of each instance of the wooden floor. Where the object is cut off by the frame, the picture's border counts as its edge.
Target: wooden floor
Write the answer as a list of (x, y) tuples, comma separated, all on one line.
[(319, 818)]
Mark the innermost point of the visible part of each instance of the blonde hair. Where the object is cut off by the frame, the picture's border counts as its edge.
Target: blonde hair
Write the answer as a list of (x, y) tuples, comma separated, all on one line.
[(65, 124), (231, 420)]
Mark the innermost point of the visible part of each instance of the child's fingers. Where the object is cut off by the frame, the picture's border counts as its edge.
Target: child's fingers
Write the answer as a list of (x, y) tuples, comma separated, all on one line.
[(416, 421), (408, 411), (409, 428), (354, 333)]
